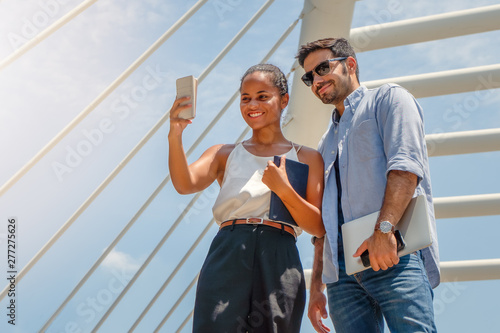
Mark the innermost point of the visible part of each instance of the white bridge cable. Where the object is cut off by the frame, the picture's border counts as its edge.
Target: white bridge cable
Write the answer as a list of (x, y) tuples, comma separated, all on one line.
[(190, 286), (157, 191), (195, 144), (152, 197), (121, 165), (181, 262), (105, 253), (191, 313), (454, 81), (153, 253), (181, 298), (470, 270), (139, 61), (237, 92), (465, 142), (200, 138), (87, 203), (143, 208), (185, 321), (171, 276), (149, 259), (467, 206), (235, 39), (425, 29), (46, 33), (165, 181)]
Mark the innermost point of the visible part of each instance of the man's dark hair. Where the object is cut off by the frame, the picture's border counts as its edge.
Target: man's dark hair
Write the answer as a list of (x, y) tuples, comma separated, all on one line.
[(340, 47), (278, 79)]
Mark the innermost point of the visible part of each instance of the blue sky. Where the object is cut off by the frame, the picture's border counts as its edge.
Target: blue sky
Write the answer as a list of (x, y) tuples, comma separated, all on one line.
[(50, 85)]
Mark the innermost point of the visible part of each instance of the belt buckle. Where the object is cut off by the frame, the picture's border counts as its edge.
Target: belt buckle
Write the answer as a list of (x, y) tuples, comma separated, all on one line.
[(255, 218)]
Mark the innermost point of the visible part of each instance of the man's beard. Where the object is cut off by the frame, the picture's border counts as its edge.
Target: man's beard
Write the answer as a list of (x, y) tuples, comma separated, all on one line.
[(340, 92), (334, 97)]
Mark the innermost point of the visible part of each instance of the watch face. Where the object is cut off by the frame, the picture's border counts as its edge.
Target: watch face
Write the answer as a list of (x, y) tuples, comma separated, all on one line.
[(385, 227)]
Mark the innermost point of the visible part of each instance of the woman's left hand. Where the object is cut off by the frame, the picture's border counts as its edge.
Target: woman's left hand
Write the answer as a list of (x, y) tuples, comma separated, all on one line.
[(276, 178)]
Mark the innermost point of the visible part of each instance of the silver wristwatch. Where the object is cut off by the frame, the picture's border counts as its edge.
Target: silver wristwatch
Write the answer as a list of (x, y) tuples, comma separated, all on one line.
[(385, 227)]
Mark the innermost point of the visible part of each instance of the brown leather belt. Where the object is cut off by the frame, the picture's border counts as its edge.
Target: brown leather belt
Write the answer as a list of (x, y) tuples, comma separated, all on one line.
[(253, 220)]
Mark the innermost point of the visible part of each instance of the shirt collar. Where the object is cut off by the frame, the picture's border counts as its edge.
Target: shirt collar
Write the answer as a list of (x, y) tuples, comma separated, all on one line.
[(355, 98), (335, 116), (351, 102)]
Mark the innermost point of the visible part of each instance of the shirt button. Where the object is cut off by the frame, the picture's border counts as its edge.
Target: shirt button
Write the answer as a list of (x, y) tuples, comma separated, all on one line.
[(326, 172), (333, 152)]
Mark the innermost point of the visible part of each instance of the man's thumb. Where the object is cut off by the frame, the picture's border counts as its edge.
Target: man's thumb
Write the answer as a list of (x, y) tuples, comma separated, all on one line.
[(361, 249)]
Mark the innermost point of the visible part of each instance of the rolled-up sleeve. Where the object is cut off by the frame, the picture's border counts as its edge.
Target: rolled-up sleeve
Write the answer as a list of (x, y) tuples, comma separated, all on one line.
[(400, 120)]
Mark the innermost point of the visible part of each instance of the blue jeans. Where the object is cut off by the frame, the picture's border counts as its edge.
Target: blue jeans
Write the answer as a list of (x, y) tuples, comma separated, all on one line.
[(401, 294)]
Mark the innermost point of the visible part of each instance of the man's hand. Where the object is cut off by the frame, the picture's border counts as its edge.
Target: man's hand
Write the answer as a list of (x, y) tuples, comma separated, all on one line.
[(317, 311), (382, 249), (317, 299)]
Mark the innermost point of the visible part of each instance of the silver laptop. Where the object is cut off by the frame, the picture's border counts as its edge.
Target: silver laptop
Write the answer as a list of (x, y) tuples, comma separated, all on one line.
[(414, 227)]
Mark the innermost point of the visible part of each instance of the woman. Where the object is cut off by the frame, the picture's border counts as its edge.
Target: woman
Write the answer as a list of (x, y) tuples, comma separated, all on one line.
[(252, 278)]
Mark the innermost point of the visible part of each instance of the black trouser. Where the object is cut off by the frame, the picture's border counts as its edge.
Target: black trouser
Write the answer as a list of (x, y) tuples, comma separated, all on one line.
[(252, 281)]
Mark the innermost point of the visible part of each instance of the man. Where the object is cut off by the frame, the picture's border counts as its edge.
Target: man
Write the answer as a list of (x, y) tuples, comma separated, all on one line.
[(375, 159)]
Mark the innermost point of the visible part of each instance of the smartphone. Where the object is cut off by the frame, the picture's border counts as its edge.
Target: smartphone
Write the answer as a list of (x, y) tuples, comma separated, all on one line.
[(187, 86), (365, 259)]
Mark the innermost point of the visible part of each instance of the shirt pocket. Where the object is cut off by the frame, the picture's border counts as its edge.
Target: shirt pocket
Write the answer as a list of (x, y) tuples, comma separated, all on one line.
[(366, 142)]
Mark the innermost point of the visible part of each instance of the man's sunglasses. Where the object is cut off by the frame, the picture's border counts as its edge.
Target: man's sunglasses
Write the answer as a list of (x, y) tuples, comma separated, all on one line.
[(322, 69)]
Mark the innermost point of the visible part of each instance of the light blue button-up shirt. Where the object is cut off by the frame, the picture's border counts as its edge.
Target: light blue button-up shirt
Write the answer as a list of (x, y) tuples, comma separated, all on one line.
[(380, 130)]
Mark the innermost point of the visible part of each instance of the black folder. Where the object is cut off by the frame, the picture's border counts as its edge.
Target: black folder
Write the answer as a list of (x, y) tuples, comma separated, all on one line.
[(297, 173)]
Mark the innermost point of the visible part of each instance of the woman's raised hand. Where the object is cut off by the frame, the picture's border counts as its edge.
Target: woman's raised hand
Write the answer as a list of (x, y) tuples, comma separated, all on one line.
[(177, 125)]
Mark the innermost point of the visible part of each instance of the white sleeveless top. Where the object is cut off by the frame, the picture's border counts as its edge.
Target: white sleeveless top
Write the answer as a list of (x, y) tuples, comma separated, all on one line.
[(242, 193)]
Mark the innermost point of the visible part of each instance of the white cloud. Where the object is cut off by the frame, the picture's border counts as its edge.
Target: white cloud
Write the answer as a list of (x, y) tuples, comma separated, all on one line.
[(120, 261)]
